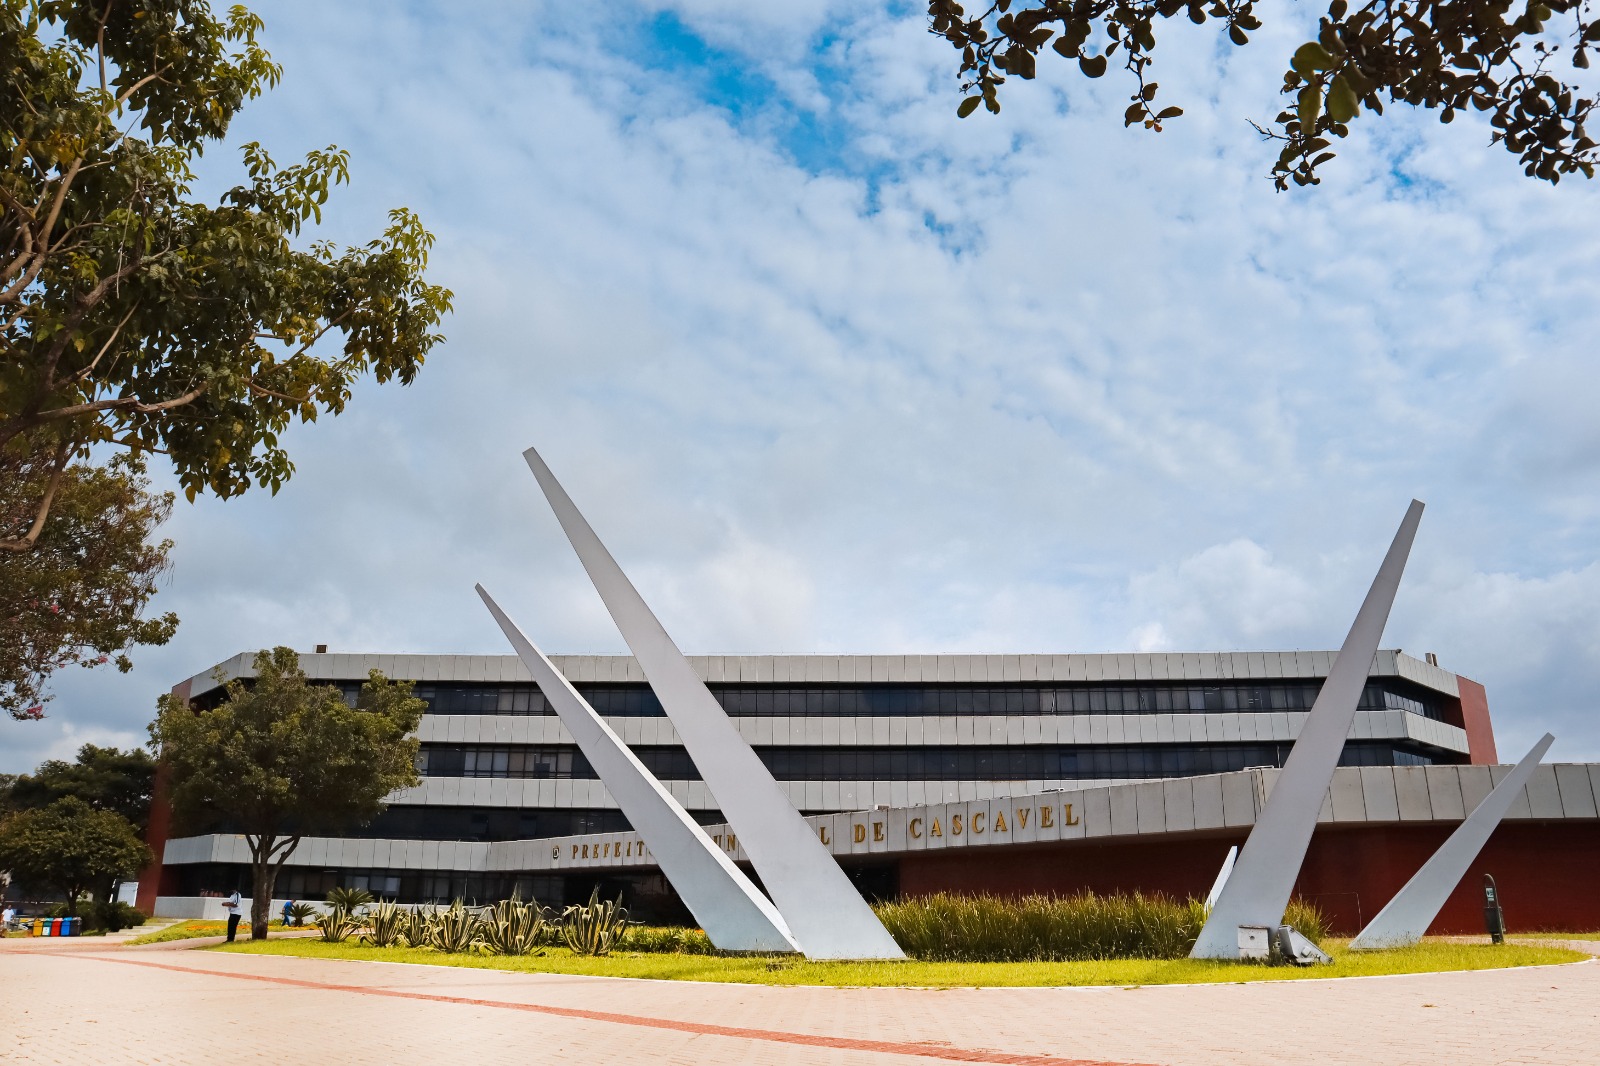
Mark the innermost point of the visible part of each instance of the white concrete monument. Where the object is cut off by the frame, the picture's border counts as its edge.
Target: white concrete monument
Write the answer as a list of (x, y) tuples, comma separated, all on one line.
[(732, 911), (1405, 918), (1257, 891), (1222, 878), (826, 915)]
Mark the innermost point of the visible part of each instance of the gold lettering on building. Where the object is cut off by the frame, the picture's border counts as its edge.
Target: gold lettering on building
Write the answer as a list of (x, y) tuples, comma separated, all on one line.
[(934, 830), (915, 828), (574, 851), (629, 852), (877, 832), (1047, 817), (1022, 817), (859, 833), (977, 822), (1000, 822), (733, 842), (955, 825), (605, 851), (1067, 817), (585, 851), (822, 833)]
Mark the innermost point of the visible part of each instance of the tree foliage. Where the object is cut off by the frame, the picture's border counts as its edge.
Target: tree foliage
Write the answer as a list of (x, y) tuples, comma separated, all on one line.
[(71, 847), (107, 779), (1497, 56), (135, 317), (281, 758), (78, 597)]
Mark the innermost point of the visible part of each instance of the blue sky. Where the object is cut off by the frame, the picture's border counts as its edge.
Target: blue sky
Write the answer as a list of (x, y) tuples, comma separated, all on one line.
[(833, 371)]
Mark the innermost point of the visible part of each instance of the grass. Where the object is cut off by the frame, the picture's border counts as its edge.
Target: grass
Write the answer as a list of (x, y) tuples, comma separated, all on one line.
[(1430, 956), (184, 931), (949, 927)]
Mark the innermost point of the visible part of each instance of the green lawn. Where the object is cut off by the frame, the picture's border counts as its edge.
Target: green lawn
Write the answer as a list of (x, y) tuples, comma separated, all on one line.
[(185, 931), (777, 970)]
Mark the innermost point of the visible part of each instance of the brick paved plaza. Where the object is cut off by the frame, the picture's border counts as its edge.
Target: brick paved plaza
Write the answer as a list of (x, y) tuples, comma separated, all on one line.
[(78, 1003)]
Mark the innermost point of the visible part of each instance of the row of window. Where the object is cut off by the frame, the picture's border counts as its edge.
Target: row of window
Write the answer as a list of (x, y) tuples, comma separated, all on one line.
[(885, 700), (402, 886), (1012, 763)]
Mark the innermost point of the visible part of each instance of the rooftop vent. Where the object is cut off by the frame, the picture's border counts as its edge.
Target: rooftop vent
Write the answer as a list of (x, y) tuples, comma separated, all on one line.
[(1433, 660), (322, 649)]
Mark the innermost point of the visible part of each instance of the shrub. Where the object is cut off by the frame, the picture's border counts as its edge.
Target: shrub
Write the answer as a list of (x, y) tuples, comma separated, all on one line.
[(351, 899), (300, 913), (594, 928), (117, 915), (455, 930), (1308, 918), (512, 927), (386, 925), (955, 928), (337, 925), (668, 939), (417, 924), (101, 915)]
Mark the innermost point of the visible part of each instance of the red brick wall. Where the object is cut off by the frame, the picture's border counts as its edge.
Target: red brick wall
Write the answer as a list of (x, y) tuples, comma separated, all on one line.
[(1475, 719), (153, 879), (1548, 872)]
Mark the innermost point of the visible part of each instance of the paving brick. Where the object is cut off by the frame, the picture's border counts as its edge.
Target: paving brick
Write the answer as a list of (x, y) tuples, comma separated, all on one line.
[(125, 1007)]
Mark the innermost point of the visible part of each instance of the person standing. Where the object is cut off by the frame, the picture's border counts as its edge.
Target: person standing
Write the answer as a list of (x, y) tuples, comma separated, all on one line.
[(231, 905), (7, 916), (288, 907)]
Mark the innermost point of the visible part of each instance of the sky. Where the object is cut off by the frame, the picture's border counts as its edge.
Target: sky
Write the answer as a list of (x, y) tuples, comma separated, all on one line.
[(833, 371)]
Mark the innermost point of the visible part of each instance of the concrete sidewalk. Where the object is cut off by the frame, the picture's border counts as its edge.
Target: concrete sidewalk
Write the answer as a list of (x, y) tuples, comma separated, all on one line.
[(124, 1007)]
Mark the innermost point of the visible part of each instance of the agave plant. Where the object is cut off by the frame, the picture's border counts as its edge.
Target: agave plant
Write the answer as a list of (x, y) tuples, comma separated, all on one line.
[(386, 925), (351, 899), (416, 925), (594, 928), (337, 925), (512, 927), (455, 930)]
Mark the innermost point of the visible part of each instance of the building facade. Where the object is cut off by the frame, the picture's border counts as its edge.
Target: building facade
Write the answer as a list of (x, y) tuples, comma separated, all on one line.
[(504, 787)]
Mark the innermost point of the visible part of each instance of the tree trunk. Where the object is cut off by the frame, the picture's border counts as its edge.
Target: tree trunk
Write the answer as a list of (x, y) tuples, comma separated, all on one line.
[(265, 878)]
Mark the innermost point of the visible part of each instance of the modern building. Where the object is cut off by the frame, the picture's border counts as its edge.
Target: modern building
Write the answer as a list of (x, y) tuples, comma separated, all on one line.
[(1102, 771)]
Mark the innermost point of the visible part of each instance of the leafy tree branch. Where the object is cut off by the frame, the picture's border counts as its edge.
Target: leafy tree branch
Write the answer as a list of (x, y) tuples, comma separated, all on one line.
[(1494, 56)]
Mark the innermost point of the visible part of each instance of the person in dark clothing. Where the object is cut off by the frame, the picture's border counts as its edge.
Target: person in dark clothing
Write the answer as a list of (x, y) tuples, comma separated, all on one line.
[(231, 905)]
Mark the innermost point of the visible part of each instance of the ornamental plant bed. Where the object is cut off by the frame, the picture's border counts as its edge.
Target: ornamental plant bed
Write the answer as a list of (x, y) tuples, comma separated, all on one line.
[(1427, 957)]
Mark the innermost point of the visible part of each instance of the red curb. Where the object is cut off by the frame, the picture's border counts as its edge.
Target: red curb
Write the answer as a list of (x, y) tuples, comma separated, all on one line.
[(775, 1036)]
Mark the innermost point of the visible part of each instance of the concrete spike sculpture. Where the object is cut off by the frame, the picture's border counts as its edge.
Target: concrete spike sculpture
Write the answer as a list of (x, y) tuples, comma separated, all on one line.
[(1222, 878), (732, 911), (825, 913), (1258, 890), (1405, 918)]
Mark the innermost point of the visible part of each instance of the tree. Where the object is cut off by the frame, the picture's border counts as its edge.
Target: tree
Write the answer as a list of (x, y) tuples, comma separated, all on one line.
[(107, 779), (133, 316), (79, 596), (1444, 55), (71, 847), (282, 758)]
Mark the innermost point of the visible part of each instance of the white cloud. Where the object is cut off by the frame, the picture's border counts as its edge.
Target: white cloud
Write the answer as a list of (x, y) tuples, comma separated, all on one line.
[(1028, 382)]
